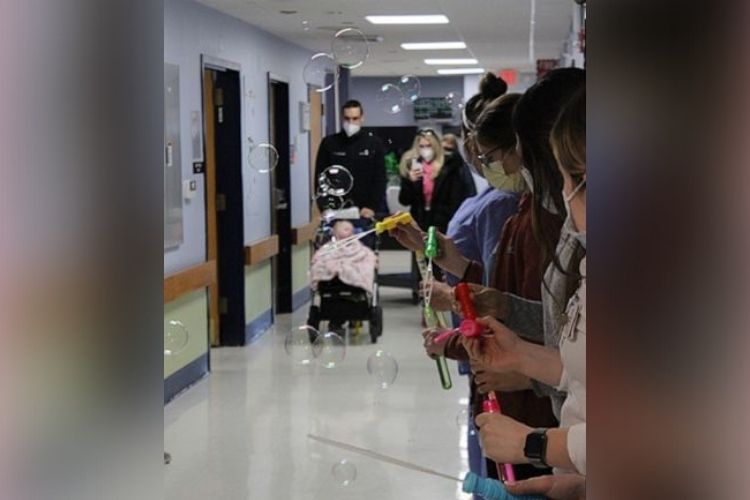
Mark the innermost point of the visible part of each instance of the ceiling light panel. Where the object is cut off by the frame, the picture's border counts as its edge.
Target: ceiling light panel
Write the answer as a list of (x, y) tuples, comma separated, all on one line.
[(429, 19), (460, 71), (433, 46), (448, 62)]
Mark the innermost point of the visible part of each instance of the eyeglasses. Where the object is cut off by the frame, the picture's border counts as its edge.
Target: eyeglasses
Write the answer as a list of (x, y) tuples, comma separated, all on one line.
[(427, 131), (485, 158)]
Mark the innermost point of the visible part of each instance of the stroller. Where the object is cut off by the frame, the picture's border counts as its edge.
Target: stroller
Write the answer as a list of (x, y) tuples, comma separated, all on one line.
[(338, 302)]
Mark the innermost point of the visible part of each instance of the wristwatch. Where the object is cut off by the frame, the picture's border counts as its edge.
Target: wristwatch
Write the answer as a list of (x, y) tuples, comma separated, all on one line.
[(536, 448)]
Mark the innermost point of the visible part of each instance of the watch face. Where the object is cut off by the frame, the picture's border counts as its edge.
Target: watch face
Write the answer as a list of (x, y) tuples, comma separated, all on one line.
[(536, 444)]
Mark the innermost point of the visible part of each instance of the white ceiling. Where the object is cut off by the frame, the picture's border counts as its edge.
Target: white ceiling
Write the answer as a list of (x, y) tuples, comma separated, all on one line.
[(496, 32)]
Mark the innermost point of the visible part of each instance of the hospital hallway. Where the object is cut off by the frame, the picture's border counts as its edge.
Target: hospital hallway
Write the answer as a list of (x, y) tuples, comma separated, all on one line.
[(242, 432)]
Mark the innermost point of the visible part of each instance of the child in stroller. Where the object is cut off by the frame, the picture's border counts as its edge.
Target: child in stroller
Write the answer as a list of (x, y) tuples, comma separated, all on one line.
[(344, 279)]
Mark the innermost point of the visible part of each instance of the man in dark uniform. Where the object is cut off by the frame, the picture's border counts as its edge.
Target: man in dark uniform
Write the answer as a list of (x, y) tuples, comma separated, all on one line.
[(362, 154)]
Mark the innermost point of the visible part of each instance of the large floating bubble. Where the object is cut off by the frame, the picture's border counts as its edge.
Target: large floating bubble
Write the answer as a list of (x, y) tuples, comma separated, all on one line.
[(390, 98), (383, 367), (344, 472), (298, 344), (349, 48), (176, 337), (335, 181), (329, 349), (263, 157), (320, 72), (410, 87)]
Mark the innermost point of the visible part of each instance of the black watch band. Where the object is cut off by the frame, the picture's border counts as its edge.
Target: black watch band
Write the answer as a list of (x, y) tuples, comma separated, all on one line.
[(535, 448)]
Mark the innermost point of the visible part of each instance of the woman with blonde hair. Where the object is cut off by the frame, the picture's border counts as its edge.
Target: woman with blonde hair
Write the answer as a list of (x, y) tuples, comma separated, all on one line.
[(431, 183)]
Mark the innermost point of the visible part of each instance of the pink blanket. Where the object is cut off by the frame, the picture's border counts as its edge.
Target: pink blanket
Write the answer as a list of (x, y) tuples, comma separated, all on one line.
[(354, 264)]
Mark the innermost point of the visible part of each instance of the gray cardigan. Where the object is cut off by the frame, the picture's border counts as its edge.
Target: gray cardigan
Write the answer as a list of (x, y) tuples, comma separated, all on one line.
[(542, 321)]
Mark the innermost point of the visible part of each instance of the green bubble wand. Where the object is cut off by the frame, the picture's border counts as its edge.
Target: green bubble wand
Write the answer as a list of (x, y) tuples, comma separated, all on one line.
[(432, 318)]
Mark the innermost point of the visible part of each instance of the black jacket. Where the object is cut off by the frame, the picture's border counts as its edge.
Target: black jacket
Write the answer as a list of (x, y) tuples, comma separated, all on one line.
[(363, 155), (449, 192)]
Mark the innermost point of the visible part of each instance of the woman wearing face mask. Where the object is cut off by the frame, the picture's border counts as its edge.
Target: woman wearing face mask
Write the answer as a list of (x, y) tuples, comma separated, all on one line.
[(503, 438), (451, 149), (431, 183)]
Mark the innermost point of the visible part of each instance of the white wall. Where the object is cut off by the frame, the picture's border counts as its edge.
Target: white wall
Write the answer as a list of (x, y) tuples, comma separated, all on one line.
[(190, 30)]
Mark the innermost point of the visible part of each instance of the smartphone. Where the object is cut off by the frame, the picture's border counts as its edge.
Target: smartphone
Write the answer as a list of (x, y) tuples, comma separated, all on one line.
[(416, 166)]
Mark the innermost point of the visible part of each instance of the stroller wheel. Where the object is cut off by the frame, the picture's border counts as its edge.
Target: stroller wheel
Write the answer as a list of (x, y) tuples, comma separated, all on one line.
[(376, 323), (313, 321)]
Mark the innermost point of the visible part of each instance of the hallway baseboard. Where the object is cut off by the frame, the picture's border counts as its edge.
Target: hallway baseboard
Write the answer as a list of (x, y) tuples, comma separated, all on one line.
[(301, 298), (257, 327), (185, 377)]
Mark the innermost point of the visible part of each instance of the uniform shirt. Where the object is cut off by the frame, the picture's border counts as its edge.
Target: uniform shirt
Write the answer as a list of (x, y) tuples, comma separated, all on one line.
[(476, 226), (363, 155)]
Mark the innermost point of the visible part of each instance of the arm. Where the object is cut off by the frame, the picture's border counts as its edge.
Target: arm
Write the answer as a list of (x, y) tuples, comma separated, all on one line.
[(379, 178), (503, 440), (322, 161), (505, 352), (408, 194)]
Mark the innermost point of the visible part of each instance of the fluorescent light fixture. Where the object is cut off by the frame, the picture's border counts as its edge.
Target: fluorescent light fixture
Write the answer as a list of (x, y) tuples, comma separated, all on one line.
[(433, 46), (460, 71), (447, 62), (432, 19)]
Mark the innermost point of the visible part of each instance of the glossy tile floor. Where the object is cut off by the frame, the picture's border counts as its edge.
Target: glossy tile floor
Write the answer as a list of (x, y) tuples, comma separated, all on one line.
[(242, 432)]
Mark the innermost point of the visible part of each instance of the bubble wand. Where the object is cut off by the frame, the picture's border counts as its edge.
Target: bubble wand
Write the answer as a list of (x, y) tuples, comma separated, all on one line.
[(489, 489), (432, 319), (471, 328), (380, 227)]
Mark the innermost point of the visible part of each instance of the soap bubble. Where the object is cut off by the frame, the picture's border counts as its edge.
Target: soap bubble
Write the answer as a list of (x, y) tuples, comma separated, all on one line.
[(298, 344), (344, 472), (320, 72), (462, 419), (329, 349), (335, 181), (410, 87), (349, 48), (390, 98), (263, 157), (383, 367), (175, 337)]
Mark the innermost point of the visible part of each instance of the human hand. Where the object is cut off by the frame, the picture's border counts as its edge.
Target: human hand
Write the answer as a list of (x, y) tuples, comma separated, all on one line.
[(410, 236), (487, 381), (415, 172), (366, 213), (432, 348), (488, 301), (497, 353), (555, 487), (502, 438), (450, 257), (442, 295)]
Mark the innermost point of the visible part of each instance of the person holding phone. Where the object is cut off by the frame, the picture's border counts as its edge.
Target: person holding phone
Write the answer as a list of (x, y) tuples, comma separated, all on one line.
[(431, 183), (432, 186)]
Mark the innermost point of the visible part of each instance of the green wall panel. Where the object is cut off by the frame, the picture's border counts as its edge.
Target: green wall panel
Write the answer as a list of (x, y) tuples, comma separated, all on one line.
[(192, 311)]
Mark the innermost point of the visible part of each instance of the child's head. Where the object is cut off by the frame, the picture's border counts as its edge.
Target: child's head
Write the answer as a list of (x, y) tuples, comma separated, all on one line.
[(342, 229)]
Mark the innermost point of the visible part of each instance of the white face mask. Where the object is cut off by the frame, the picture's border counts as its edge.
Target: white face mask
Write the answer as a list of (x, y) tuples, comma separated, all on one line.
[(569, 223), (498, 179), (351, 128), (427, 153)]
